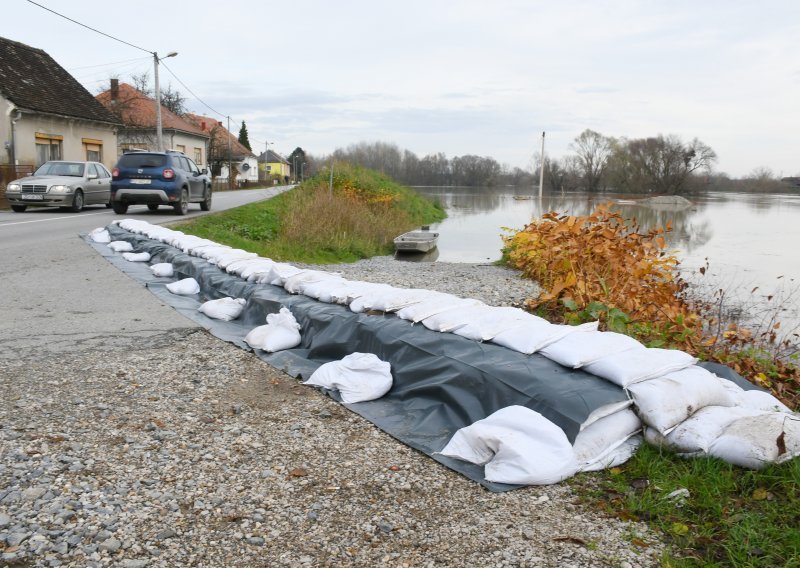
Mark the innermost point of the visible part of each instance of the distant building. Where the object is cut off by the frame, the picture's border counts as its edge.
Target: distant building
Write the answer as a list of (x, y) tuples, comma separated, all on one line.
[(792, 181), (274, 166), (225, 148), (45, 114), (137, 112)]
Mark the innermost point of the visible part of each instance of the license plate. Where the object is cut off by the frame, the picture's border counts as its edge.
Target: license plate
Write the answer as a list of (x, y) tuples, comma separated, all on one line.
[(141, 181), (32, 197)]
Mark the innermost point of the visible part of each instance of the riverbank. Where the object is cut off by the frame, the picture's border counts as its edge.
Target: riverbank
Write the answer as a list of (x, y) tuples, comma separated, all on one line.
[(194, 452)]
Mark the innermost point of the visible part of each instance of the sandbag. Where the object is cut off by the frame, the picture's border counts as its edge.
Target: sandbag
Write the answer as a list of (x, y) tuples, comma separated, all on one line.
[(358, 377), (635, 365), (532, 336), (100, 235), (594, 443), (281, 332), (296, 283), (434, 304), (578, 350), (485, 322), (665, 402), (695, 435), (225, 309), (455, 316), (136, 256), (120, 246), (162, 269), (278, 274), (756, 441), (517, 445), (392, 299), (615, 456), (759, 400), (365, 295), (185, 287)]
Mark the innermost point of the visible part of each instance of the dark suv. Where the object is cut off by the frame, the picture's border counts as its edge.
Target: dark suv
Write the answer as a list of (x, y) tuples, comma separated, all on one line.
[(159, 178)]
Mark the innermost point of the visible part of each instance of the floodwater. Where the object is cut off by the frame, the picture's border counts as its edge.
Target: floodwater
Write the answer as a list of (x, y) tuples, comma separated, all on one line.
[(748, 240)]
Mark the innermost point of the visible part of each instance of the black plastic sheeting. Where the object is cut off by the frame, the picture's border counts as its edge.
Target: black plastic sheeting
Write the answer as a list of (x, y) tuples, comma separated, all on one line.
[(442, 382)]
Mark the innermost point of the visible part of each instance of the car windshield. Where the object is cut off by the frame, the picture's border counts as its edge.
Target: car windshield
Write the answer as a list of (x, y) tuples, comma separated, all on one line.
[(142, 160), (71, 169)]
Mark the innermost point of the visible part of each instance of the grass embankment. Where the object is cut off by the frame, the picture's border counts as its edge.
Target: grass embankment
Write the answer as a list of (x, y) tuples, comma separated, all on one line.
[(359, 219), (600, 267)]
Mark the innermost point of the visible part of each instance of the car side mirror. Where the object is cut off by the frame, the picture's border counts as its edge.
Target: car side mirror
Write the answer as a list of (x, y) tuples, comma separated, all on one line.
[(92, 176), (204, 171)]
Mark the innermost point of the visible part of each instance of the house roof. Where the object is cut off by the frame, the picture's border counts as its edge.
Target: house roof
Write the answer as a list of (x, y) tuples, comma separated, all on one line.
[(137, 110), (220, 136), (32, 80), (273, 158)]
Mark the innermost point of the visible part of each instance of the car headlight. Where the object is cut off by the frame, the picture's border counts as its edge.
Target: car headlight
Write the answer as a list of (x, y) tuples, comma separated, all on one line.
[(12, 187), (61, 189)]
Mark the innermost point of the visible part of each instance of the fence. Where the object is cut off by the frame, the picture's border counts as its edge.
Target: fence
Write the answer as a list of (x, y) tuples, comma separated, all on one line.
[(9, 173)]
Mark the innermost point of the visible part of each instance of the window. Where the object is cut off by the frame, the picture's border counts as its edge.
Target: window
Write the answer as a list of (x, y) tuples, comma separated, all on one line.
[(93, 170), (48, 147), (181, 148), (102, 171), (198, 155), (92, 149)]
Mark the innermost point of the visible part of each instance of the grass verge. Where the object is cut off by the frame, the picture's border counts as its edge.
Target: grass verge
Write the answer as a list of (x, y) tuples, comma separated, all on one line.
[(312, 224)]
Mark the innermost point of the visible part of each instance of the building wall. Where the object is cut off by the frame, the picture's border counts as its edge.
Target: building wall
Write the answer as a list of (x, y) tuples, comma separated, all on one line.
[(74, 136), (278, 168), (6, 109), (249, 175)]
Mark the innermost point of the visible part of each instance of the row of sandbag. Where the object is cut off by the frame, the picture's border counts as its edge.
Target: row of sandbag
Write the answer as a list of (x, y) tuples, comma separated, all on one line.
[(666, 386)]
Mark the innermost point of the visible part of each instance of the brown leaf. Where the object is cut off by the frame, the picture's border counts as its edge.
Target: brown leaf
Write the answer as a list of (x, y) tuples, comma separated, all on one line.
[(298, 472), (781, 442)]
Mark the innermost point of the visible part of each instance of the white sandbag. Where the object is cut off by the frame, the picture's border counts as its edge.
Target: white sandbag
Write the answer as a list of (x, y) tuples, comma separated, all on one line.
[(665, 402), (358, 377), (256, 266), (578, 350), (120, 246), (532, 336), (278, 274), (359, 298), (281, 332), (593, 444), (452, 317), (225, 260), (484, 322), (185, 287), (136, 256), (756, 441), (295, 283), (616, 456), (162, 269), (393, 299), (760, 400), (436, 303), (346, 291), (695, 435), (209, 251), (635, 365), (100, 235), (605, 410), (517, 445), (225, 309), (322, 289)]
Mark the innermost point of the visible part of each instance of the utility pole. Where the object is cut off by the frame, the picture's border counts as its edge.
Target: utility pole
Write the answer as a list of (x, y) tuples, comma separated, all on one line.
[(159, 133), (230, 166), (330, 187), (541, 170)]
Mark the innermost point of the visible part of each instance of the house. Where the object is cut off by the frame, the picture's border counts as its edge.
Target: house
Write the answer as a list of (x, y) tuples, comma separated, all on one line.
[(46, 114), (137, 112), (224, 148), (277, 167)]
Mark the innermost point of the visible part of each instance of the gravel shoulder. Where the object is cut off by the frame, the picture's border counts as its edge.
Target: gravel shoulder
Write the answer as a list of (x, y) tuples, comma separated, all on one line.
[(195, 452)]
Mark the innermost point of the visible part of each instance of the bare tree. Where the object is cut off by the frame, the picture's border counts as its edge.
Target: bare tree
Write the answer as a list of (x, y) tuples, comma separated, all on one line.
[(593, 151), (141, 83)]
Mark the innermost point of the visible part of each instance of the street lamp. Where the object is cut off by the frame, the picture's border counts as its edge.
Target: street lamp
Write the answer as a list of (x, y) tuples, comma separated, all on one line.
[(294, 167), (159, 134), (266, 162)]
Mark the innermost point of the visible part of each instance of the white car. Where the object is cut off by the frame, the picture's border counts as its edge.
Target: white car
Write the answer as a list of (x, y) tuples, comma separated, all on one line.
[(66, 184)]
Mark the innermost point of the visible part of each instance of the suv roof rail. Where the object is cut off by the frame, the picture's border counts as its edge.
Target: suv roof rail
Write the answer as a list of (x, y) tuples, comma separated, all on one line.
[(173, 151), (129, 150)]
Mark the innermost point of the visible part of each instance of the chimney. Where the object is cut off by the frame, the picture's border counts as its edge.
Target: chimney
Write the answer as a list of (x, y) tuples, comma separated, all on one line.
[(114, 89), (203, 125)]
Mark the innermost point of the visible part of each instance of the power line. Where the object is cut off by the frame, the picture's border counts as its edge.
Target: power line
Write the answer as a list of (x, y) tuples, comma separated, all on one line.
[(192, 92), (111, 63), (89, 27)]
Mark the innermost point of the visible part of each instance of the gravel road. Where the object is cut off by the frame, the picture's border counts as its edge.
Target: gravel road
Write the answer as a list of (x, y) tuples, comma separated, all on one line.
[(188, 451)]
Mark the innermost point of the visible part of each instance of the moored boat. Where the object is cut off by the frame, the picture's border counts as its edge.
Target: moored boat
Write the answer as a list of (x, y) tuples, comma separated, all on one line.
[(421, 240)]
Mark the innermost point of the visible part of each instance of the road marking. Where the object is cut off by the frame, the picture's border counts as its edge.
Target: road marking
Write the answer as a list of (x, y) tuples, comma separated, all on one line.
[(49, 219)]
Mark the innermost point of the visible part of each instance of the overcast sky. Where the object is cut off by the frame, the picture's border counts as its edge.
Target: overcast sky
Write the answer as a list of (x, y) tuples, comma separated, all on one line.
[(459, 77)]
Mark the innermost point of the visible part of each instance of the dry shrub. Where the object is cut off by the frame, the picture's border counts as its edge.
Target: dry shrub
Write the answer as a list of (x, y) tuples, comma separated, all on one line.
[(599, 257)]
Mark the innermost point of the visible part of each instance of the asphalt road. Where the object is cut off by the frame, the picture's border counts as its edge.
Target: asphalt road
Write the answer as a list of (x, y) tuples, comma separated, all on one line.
[(57, 295)]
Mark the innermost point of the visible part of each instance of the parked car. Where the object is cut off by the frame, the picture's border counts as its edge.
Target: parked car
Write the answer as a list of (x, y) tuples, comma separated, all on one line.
[(159, 178), (66, 184)]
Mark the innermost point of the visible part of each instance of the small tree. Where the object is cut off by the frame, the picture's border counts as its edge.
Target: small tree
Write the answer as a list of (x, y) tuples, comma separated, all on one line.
[(244, 140)]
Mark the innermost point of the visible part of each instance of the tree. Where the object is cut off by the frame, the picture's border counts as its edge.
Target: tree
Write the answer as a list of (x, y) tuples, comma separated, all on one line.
[(173, 100), (661, 164), (297, 158), (243, 138), (593, 151), (141, 83)]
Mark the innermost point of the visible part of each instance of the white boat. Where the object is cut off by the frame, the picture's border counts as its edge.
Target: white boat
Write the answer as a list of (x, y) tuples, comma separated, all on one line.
[(421, 240)]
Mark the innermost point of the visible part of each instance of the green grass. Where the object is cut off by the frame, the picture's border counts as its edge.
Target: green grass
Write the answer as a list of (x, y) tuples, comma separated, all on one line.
[(732, 516), (310, 224)]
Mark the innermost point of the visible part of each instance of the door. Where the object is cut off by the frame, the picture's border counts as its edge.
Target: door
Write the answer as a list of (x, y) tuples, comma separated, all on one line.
[(98, 184), (196, 180)]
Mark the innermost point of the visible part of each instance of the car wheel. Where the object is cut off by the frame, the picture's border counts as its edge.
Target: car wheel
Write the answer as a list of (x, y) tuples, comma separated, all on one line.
[(152, 206), (120, 208), (109, 205), (77, 202), (182, 206), (205, 205), (19, 208)]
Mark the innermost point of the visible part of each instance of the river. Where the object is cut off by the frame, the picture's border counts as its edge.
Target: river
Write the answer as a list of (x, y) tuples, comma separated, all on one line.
[(748, 240)]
